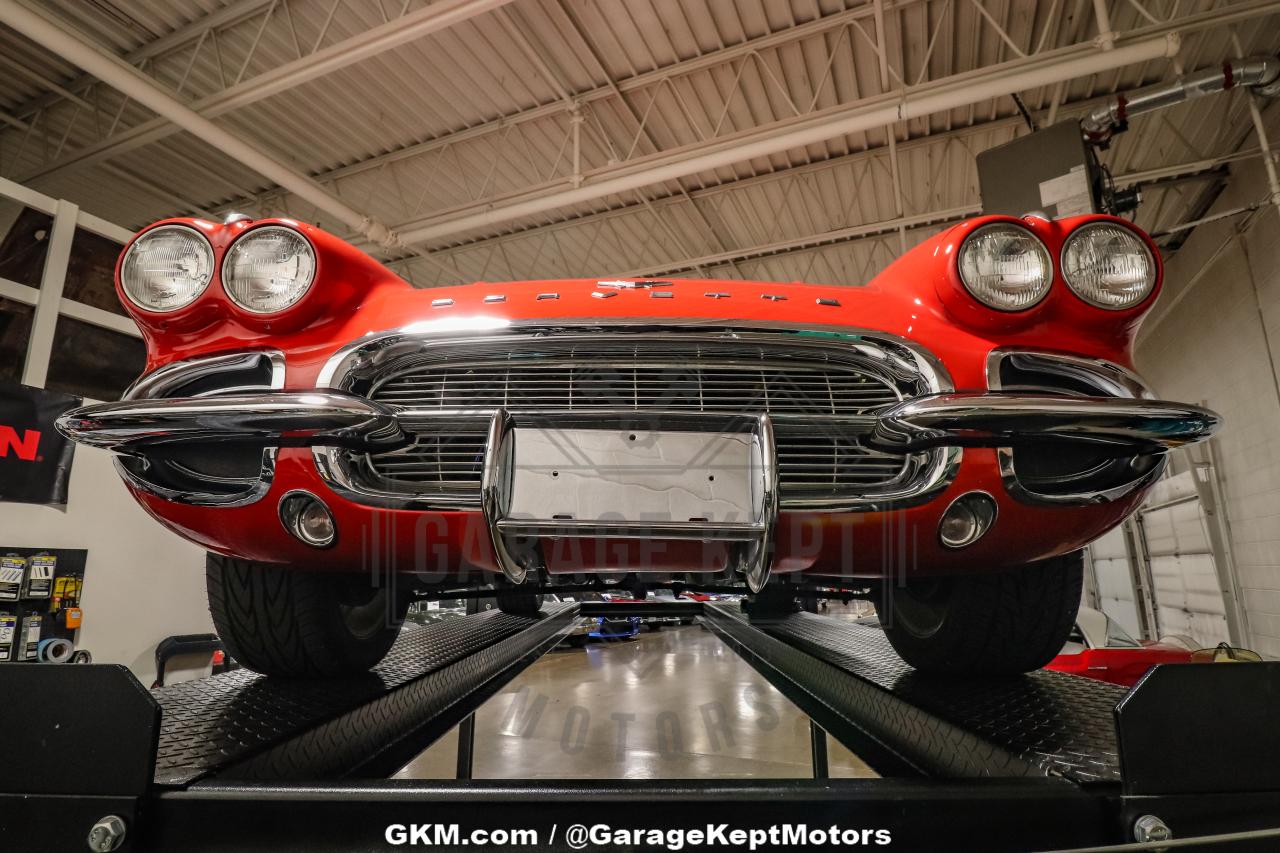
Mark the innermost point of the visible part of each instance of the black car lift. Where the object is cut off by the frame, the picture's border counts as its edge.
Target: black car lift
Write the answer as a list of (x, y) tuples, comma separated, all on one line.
[(240, 762)]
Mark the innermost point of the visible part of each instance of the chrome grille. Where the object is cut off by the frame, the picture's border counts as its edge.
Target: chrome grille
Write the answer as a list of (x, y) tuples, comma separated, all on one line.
[(807, 389), (447, 460), (724, 388), (810, 463)]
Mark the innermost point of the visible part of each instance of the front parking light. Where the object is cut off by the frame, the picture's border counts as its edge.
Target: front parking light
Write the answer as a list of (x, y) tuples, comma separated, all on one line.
[(308, 520)]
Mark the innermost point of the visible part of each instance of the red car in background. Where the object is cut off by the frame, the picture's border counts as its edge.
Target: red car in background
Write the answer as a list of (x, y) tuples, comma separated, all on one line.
[(1099, 648)]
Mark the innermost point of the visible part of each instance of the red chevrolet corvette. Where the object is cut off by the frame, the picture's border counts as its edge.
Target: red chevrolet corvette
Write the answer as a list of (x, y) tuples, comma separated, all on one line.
[(956, 429), (1099, 648)]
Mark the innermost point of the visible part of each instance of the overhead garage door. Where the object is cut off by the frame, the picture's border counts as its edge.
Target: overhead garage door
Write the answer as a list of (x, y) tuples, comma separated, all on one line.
[(1165, 571)]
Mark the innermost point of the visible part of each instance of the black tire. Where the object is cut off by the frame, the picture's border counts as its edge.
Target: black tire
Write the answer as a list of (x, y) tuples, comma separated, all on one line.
[(809, 602), (518, 603), (990, 624), (286, 622), (578, 641), (774, 600)]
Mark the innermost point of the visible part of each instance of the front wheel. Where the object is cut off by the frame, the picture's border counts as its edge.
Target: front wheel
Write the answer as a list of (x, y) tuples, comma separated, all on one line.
[(286, 622), (511, 600), (990, 624)]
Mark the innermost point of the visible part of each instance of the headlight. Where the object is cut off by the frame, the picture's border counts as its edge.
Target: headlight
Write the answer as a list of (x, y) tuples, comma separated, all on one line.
[(1108, 266), (268, 269), (167, 268), (1005, 267)]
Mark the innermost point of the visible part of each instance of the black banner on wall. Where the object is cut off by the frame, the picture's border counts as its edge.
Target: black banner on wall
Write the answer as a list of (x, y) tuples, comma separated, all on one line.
[(35, 459)]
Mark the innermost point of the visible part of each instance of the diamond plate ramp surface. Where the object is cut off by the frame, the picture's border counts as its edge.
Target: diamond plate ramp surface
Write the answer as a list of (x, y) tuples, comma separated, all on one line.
[(1039, 724), (258, 727)]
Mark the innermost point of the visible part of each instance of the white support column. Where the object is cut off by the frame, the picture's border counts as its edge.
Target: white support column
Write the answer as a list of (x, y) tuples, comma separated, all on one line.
[(20, 293), (98, 317), (35, 369)]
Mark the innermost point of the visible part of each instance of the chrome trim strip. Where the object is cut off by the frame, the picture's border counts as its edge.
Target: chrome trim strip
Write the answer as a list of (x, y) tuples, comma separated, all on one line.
[(255, 492), (175, 374), (976, 419), (688, 530), (1004, 458), (413, 417), (1117, 380), (280, 419), (353, 355)]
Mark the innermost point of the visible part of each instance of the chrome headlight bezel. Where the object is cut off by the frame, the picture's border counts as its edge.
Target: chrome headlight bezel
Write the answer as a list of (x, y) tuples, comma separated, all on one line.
[(237, 245), (1037, 246), (205, 249), (1082, 233)]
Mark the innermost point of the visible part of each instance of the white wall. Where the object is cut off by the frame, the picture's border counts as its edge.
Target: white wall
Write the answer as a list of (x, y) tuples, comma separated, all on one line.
[(142, 583), (1214, 338)]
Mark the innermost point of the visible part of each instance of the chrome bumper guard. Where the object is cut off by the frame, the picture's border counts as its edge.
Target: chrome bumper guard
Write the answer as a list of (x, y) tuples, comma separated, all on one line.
[(522, 478)]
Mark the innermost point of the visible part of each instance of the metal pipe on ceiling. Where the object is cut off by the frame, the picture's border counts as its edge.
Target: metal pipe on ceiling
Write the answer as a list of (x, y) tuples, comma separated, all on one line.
[(960, 90), (1261, 74)]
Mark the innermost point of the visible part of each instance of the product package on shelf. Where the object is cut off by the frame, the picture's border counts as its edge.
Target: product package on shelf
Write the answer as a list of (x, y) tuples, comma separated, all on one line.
[(13, 568), (40, 571), (8, 632), (27, 643)]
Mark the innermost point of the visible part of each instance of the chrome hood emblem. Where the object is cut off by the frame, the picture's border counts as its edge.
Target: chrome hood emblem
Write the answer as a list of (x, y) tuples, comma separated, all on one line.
[(633, 284)]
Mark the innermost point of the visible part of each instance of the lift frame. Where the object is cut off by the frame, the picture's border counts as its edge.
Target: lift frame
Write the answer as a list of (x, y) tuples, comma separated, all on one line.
[(1045, 761)]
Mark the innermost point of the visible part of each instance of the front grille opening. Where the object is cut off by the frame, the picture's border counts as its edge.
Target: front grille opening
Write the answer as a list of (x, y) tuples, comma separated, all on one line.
[(815, 387), (812, 463), (1032, 373), (1076, 469), (220, 471), (226, 473)]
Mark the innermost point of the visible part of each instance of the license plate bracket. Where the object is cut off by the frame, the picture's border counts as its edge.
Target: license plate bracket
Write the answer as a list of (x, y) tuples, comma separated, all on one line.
[(681, 478)]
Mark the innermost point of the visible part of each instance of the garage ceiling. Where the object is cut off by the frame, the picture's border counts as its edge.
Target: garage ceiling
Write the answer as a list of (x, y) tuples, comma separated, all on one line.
[(443, 120)]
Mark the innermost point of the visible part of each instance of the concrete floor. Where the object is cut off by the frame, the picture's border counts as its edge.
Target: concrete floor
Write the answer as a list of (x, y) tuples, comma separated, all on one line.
[(675, 704)]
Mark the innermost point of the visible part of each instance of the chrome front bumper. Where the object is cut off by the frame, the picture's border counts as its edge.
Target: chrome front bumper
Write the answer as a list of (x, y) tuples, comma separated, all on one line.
[(741, 511), (333, 418)]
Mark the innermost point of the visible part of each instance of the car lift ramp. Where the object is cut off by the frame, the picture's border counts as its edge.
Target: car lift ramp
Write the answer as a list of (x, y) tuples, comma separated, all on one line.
[(847, 677), (242, 762)]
